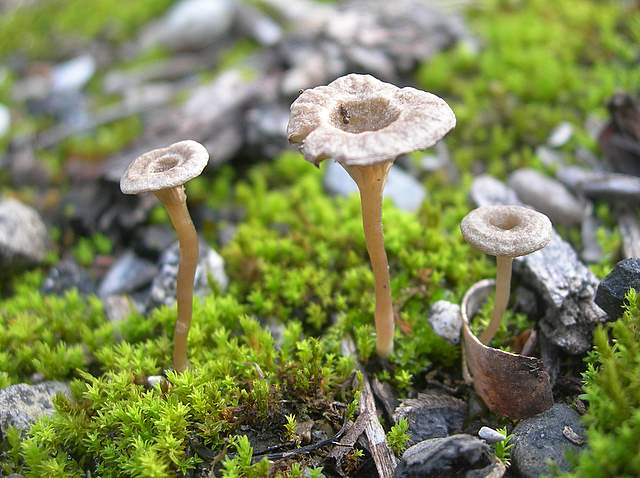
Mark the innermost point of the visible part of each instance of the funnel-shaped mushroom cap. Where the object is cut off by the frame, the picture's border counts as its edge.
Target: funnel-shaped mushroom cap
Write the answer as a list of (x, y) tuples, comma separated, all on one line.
[(165, 168), (359, 120), (510, 231)]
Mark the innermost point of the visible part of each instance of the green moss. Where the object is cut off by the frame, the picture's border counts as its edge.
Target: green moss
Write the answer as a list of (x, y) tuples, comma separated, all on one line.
[(612, 389), (49, 335), (46, 28)]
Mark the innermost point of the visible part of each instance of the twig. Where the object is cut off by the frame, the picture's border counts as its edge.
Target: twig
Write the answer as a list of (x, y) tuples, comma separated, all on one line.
[(382, 455)]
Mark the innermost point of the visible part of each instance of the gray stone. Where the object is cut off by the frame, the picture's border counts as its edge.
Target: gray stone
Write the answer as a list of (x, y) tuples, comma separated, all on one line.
[(403, 190), (22, 404), (567, 288), (127, 274), (72, 75), (163, 288), (490, 435), (487, 190), (23, 236), (5, 120), (431, 415), (191, 24), (541, 440), (613, 288), (67, 275), (453, 456), (151, 241), (591, 250), (267, 129), (560, 135), (548, 196), (445, 320), (118, 307), (258, 25), (614, 187)]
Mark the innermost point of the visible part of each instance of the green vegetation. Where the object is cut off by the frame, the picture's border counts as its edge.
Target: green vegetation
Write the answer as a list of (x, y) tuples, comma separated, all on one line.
[(502, 449), (47, 28), (398, 436), (612, 389)]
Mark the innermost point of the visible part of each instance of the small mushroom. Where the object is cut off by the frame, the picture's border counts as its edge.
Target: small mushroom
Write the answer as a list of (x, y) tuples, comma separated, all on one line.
[(164, 172), (504, 232), (365, 124)]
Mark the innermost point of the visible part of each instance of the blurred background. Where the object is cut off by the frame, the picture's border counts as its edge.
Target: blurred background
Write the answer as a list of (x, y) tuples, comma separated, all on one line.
[(86, 86)]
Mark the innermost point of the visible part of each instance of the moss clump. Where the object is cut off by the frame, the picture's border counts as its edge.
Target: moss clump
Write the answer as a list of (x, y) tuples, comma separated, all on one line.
[(46, 28), (48, 335), (612, 389), (239, 382)]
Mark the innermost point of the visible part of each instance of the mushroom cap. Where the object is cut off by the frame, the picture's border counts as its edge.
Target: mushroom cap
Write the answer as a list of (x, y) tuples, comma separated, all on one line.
[(510, 231), (164, 168), (360, 120)]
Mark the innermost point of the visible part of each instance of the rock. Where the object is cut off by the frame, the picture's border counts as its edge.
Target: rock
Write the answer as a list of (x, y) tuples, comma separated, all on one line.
[(163, 288), (22, 404), (560, 135), (613, 288), (540, 440), (550, 157), (267, 129), (563, 283), (487, 190), (490, 435), (445, 320), (127, 274), (453, 456), (191, 24), (67, 275), (567, 288), (151, 241), (403, 190), (613, 187), (591, 249), (23, 236), (118, 307), (620, 138), (431, 415), (257, 25), (72, 75), (548, 196), (629, 228), (5, 120)]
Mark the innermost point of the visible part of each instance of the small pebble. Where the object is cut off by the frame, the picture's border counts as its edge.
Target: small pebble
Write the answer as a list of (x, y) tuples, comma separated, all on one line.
[(490, 435)]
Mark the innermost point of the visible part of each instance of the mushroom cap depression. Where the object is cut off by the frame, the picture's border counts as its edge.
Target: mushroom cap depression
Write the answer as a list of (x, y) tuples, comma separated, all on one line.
[(359, 120), (165, 168), (510, 231)]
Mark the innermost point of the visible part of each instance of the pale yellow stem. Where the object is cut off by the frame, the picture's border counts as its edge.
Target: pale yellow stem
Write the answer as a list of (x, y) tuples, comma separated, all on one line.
[(371, 180), (175, 200), (503, 287)]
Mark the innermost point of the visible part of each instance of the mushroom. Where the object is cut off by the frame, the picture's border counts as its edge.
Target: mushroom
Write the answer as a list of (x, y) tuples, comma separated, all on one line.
[(164, 172), (504, 232), (365, 124)]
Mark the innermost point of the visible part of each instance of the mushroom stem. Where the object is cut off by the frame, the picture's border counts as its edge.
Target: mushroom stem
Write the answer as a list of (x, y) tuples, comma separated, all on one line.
[(371, 180), (503, 288), (175, 200)]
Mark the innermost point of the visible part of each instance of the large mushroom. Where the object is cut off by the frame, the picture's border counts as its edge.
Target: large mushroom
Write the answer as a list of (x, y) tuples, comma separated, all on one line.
[(365, 124), (164, 172), (504, 232)]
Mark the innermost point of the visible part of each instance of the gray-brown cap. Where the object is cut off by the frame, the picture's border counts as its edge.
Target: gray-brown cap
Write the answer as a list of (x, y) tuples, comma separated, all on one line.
[(359, 120), (510, 231), (164, 168)]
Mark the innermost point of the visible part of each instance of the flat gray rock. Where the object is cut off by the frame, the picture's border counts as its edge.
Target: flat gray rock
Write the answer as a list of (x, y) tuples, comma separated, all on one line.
[(548, 196), (21, 405), (545, 439), (23, 236), (613, 288), (432, 415), (453, 456)]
